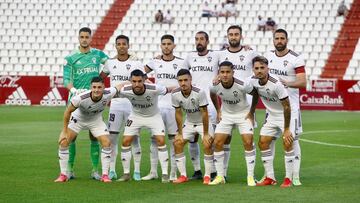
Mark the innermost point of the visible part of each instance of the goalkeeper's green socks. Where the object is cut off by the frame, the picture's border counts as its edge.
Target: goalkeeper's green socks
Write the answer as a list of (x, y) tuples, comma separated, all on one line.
[(72, 153), (95, 154)]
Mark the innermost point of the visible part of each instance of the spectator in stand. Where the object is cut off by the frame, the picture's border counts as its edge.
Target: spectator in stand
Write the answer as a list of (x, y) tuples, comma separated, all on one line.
[(230, 9), (220, 12), (206, 11), (261, 24), (271, 24), (159, 17), (168, 18), (342, 9)]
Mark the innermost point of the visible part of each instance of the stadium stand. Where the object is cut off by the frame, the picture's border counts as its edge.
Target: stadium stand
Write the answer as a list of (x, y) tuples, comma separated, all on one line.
[(37, 34)]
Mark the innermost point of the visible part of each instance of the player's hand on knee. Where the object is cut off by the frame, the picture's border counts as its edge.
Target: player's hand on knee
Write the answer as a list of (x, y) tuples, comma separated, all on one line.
[(287, 137), (250, 116), (207, 140)]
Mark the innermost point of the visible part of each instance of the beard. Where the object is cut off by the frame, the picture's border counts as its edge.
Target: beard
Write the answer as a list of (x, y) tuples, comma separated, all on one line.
[(234, 43), (280, 47), (200, 48)]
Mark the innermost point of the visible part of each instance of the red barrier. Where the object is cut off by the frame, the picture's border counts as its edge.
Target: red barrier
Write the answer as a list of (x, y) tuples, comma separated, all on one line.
[(49, 91)]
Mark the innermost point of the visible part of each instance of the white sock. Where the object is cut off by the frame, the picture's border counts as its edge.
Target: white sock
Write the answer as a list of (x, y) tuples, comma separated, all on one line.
[(154, 158), (181, 163), (226, 158), (105, 159), (63, 159), (194, 151), (268, 161), (114, 146), (208, 163), (219, 162), (126, 158), (250, 157), (136, 152), (289, 163), (164, 159), (273, 146), (297, 159), (172, 155)]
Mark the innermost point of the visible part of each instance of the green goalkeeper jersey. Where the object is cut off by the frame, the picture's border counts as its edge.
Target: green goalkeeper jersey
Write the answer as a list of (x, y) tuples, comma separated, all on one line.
[(80, 67)]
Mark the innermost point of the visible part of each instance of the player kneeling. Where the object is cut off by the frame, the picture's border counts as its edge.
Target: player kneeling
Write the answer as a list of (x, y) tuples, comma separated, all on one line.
[(194, 103), (85, 112)]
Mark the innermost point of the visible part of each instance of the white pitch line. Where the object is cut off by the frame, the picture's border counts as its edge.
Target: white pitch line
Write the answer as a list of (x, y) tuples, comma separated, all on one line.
[(329, 144)]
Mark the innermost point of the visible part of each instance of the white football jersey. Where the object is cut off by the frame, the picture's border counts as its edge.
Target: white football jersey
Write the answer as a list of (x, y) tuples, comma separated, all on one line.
[(191, 104), (87, 109), (286, 67), (203, 70), (271, 93), (233, 99), (165, 74), (242, 61), (146, 104), (119, 71)]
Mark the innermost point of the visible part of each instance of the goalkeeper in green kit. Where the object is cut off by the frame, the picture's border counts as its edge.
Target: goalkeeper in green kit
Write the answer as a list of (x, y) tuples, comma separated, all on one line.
[(81, 66)]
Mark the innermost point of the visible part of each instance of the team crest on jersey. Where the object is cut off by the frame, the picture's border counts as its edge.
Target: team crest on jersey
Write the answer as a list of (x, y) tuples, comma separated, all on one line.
[(128, 66), (193, 101), (286, 62), (267, 91), (236, 93), (175, 66), (209, 58), (94, 60), (242, 57), (148, 98)]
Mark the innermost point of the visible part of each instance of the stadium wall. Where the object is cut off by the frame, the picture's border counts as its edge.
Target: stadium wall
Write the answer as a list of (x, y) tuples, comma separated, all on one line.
[(49, 91)]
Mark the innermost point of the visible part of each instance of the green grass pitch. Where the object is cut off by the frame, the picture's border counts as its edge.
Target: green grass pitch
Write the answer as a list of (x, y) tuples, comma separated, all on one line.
[(29, 165)]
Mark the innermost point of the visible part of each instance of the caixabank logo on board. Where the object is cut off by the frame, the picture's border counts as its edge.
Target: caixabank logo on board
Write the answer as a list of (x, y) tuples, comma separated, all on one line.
[(322, 100)]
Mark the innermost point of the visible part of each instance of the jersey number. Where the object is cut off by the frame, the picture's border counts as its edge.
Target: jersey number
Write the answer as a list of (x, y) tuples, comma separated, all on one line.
[(112, 117), (128, 123)]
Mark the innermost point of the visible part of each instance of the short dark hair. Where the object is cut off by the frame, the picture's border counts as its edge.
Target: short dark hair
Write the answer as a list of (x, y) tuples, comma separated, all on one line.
[(122, 37), (167, 36), (137, 72), (235, 27), (260, 59), (85, 29), (97, 79), (183, 72), (226, 63), (281, 31), (205, 34)]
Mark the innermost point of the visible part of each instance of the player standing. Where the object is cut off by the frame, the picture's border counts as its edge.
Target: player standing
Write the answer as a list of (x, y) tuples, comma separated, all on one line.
[(289, 66), (193, 102), (85, 112), (119, 69), (277, 120), (81, 66), (203, 66), (145, 113), (165, 68), (234, 110), (241, 57)]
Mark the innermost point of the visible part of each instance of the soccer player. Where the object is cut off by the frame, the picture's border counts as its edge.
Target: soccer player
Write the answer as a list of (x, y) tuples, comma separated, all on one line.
[(193, 102), (241, 57), (145, 113), (289, 67), (233, 113), (203, 66), (165, 68), (85, 112), (81, 66), (277, 121), (119, 69)]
